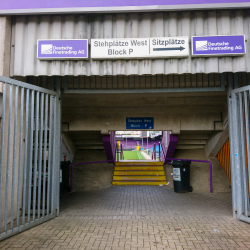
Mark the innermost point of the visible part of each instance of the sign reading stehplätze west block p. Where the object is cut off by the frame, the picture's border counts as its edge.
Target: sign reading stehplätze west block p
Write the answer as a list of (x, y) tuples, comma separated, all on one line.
[(139, 48), (218, 45), (62, 49)]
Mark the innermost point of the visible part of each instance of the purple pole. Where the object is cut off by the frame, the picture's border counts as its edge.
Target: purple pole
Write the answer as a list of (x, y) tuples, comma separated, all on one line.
[(210, 164)]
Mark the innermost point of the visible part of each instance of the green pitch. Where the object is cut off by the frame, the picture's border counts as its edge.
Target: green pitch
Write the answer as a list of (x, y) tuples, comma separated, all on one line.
[(133, 155)]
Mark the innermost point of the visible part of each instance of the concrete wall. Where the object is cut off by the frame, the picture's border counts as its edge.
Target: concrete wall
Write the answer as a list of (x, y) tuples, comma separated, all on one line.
[(173, 112), (93, 176)]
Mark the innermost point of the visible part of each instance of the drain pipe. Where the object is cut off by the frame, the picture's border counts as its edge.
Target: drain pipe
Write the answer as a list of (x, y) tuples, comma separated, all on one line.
[(210, 164)]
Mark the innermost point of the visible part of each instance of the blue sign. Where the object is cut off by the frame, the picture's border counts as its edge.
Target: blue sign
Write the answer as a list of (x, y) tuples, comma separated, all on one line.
[(62, 49), (140, 123), (218, 45)]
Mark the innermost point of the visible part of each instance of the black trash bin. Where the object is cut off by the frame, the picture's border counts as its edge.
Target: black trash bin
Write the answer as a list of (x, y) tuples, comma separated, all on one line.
[(64, 177), (181, 176)]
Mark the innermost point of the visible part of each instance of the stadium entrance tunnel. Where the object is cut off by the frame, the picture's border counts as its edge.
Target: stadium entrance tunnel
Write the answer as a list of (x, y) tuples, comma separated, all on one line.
[(89, 146), (196, 121)]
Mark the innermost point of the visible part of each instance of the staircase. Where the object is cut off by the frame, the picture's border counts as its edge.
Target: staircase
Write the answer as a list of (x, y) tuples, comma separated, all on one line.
[(139, 173)]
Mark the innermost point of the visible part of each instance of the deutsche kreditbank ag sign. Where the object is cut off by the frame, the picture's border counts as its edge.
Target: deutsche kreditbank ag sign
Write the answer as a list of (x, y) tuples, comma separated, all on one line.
[(73, 49)]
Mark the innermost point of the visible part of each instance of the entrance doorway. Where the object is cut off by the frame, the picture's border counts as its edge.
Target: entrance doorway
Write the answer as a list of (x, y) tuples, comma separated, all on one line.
[(139, 145)]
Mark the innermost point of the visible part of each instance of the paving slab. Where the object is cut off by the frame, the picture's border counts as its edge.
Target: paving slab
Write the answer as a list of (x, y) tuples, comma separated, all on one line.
[(138, 217)]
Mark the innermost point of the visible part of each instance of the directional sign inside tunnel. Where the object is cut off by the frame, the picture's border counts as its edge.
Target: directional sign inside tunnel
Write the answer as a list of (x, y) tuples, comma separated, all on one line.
[(140, 123)]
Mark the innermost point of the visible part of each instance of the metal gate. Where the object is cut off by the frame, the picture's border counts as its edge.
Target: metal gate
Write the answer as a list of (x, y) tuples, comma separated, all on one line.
[(29, 156), (240, 151)]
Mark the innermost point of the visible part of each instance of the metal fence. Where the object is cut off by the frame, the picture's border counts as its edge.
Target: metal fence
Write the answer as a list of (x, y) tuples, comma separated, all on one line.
[(240, 151), (29, 156)]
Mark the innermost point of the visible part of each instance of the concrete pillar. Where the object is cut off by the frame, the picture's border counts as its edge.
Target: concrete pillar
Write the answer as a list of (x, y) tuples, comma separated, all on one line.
[(5, 48), (5, 44)]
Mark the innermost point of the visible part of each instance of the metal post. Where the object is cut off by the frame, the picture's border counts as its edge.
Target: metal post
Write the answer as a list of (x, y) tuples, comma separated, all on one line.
[(8, 159), (59, 128), (20, 154), (14, 157), (2, 148), (243, 155), (231, 134), (41, 127), (238, 186)]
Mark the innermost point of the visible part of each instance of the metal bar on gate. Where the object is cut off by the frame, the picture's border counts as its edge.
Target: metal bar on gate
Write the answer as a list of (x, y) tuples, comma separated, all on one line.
[(59, 131), (243, 154), (25, 154), (45, 150), (246, 98), (30, 163), (35, 154), (2, 146), (14, 158), (53, 180), (8, 159), (50, 152), (236, 158), (41, 126), (20, 154), (231, 135)]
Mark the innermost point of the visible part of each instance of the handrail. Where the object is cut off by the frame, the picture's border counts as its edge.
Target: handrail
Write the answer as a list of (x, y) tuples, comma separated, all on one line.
[(164, 153), (210, 164), (85, 163), (153, 153), (159, 150), (121, 153)]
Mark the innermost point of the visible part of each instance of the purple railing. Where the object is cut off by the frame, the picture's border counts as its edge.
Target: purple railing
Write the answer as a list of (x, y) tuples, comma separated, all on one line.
[(210, 164)]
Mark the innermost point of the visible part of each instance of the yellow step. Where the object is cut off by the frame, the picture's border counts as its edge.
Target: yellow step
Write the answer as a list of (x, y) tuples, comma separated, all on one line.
[(139, 173), (143, 168), (144, 183), (138, 178), (139, 163)]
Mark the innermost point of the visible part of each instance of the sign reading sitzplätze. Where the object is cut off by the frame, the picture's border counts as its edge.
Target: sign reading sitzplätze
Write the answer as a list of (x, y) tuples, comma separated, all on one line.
[(218, 45), (66, 49), (126, 48)]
